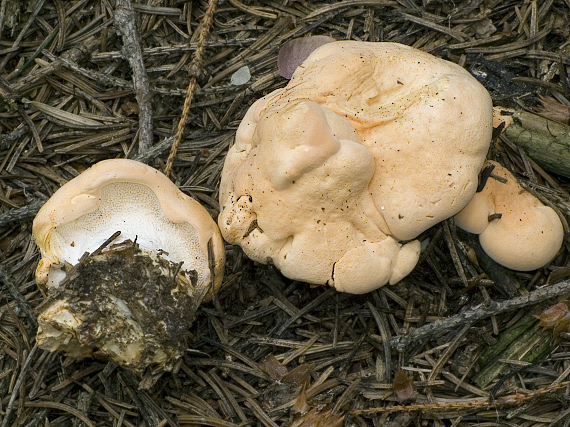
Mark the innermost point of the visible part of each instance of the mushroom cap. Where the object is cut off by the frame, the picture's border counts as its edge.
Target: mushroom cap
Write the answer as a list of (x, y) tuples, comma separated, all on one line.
[(502, 115), (136, 199), (526, 236), (368, 144)]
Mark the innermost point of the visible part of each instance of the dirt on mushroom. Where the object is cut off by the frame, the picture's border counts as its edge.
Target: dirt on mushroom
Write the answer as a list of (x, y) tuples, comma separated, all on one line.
[(124, 297)]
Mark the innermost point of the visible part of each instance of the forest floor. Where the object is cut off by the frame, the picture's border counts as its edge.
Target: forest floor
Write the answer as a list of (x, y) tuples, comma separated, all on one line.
[(459, 337)]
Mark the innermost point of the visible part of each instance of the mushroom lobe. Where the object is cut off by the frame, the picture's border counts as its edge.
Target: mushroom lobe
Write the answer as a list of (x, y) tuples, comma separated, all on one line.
[(514, 227), (125, 264)]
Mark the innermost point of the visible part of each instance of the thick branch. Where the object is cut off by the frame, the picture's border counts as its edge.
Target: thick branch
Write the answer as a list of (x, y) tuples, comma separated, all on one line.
[(25, 213), (546, 141)]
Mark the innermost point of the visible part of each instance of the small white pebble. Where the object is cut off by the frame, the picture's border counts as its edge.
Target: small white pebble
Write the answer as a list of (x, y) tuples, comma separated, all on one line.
[(241, 76)]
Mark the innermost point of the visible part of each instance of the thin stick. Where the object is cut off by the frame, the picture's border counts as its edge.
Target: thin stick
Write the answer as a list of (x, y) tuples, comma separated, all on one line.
[(16, 389), (516, 399), (125, 21), (193, 72), (401, 343), (21, 302), (24, 213)]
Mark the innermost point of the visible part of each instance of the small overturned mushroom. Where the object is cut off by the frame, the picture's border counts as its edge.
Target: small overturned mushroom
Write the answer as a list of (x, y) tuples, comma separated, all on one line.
[(126, 258), (332, 177), (514, 227)]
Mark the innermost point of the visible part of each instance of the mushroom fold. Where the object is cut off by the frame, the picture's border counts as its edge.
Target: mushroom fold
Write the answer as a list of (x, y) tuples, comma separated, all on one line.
[(124, 265), (370, 144)]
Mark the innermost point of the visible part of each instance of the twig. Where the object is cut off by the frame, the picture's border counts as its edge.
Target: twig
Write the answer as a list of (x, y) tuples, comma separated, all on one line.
[(21, 214), (9, 138), (193, 72), (125, 21), (516, 399), (172, 49), (401, 343), (76, 54), (545, 141), (16, 388), (154, 151)]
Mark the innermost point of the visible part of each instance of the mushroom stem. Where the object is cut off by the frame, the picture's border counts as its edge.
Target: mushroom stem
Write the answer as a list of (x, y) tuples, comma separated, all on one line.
[(129, 305)]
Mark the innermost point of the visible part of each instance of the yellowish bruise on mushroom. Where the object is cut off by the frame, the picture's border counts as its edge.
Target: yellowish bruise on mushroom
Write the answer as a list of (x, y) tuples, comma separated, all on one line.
[(515, 228), (502, 115), (131, 298), (332, 177)]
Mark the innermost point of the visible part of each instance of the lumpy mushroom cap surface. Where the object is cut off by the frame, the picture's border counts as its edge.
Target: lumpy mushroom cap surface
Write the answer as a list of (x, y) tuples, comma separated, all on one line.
[(367, 146), (515, 228)]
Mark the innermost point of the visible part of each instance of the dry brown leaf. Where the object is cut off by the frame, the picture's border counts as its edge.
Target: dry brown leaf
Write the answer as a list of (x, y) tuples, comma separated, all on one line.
[(556, 318), (404, 388), (301, 406), (553, 110), (320, 416), (301, 375), (273, 367), (558, 274)]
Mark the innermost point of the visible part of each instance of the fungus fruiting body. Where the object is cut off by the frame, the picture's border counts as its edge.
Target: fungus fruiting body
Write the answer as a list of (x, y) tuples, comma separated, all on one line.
[(332, 177), (515, 228), (126, 258)]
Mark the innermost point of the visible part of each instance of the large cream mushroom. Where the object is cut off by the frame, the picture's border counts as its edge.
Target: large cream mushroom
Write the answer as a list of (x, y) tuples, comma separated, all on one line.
[(515, 228), (126, 258), (332, 177)]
